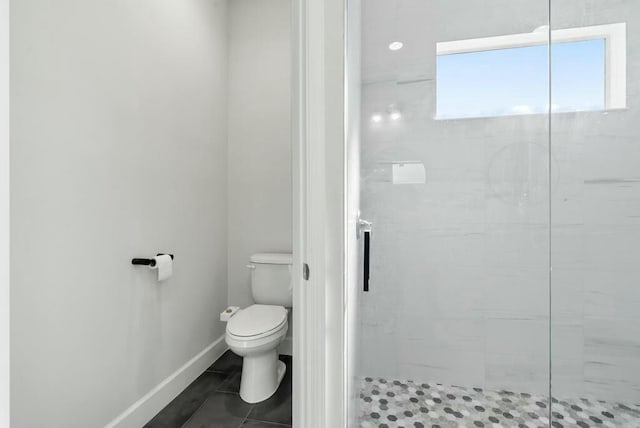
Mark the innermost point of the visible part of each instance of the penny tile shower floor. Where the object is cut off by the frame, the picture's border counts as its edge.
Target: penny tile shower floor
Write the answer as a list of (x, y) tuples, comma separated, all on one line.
[(389, 404)]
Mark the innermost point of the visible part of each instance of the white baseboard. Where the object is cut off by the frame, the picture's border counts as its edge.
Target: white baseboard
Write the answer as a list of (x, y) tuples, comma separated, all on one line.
[(286, 347), (141, 412)]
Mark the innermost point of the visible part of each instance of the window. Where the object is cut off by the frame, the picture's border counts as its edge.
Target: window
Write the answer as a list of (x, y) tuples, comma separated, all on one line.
[(509, 75)]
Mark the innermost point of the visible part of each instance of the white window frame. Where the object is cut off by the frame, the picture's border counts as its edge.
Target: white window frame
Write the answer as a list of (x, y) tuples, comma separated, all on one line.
[(615, 36)]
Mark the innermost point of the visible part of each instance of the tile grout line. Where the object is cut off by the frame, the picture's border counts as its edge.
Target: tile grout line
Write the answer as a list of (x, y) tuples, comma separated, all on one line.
[(275, 424), (247, 416), (243, 421), (227, 375), (191, 416)]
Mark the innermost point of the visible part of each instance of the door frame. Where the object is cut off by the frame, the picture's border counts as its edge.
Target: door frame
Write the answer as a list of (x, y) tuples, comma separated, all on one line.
[(4, 213), (319, 183)]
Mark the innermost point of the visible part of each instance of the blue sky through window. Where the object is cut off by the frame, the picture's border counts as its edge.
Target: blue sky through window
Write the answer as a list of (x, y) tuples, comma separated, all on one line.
[(515, 80)]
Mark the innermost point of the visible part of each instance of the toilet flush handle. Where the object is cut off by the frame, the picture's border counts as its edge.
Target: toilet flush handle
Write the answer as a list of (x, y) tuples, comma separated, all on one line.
[(250, 266)]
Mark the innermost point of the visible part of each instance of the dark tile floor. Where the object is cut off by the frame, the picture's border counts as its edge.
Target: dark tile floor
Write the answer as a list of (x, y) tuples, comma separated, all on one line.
[(212, 401)]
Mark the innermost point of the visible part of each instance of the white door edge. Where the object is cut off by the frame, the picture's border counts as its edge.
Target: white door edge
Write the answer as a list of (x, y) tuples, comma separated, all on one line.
[(4, 213), (319, 187)]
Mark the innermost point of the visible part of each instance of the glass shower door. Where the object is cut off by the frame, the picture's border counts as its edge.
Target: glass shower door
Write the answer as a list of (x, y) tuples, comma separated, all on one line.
[(595, 213), (454, 152)]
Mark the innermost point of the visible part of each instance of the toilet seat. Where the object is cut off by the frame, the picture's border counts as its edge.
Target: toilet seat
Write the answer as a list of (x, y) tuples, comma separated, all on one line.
[(256, 322)]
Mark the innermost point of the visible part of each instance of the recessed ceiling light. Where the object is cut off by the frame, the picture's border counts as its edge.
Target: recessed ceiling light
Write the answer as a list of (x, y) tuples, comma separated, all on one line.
[(395, 46), (376, 118), (395, 116)]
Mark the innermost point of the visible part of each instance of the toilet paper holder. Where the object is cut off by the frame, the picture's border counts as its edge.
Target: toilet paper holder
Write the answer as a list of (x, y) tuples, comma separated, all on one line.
[(147, 262)]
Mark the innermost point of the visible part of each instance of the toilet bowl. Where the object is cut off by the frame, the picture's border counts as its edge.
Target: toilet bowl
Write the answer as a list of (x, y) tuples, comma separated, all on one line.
[(254, 333)]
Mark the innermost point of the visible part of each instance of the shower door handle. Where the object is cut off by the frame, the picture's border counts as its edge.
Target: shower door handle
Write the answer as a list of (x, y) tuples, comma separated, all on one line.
[(364, 230), (365, 270)]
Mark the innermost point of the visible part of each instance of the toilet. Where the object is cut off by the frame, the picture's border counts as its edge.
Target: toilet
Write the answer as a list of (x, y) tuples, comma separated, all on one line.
[(255, 332)]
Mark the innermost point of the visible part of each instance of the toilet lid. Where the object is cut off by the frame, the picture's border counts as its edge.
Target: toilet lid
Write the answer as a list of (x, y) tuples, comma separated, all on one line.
[(256, 320)]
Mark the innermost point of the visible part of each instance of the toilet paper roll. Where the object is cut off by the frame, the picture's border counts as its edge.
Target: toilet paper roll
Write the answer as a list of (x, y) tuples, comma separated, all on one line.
[(164, 265)]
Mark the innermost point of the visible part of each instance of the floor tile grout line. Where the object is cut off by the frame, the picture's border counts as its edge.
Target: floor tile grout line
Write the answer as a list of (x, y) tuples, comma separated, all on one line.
[(247, 416), (277, 424), (205, 400), (242, 423), (194, 412), (215, 392), (206, 396)]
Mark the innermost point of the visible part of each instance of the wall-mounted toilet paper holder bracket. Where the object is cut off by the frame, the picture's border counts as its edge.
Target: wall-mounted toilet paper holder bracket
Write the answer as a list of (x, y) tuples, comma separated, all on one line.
[(147, 262)]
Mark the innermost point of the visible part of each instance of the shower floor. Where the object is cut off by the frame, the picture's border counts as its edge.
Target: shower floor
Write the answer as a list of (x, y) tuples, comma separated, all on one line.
[(391, 403)]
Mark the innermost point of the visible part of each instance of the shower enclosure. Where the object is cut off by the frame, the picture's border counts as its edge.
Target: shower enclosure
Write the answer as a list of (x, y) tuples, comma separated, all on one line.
[(499, 167)]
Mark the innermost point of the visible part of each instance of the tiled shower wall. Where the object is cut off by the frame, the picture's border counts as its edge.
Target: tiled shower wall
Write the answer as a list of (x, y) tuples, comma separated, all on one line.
[(460, 265)]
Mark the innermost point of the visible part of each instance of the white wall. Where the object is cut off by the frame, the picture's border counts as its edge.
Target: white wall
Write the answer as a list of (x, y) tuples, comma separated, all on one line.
[(259, 136), (118, 150)]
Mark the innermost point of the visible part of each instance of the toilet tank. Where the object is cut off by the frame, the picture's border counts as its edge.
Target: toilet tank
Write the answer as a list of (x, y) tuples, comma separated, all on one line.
[(271, 279)]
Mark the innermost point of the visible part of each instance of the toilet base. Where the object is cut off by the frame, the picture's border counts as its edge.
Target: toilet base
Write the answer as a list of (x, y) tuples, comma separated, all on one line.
[(261, 376)]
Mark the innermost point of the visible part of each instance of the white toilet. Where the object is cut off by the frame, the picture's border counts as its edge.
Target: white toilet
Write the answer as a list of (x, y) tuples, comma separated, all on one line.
[(255, 332)]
